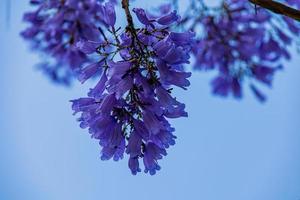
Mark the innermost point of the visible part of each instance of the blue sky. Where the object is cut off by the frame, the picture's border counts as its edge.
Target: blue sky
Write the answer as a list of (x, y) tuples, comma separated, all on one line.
[(226, 149)]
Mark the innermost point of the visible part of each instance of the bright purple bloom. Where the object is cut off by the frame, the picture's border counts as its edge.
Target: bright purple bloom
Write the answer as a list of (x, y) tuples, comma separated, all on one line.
[(169, 19), (142, 16), (127, 111), (108, 14)]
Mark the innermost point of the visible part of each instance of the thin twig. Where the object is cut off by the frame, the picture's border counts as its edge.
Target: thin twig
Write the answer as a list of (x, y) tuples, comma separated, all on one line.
[(125, 6), (278, 8)]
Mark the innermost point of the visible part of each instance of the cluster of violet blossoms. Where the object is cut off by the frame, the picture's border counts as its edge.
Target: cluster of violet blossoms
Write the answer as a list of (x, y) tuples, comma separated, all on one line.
[(243, 45), (128, 109), (55, 26)]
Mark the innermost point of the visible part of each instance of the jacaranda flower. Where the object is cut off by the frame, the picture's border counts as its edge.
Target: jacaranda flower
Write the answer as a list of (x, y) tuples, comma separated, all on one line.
[(127, 111)]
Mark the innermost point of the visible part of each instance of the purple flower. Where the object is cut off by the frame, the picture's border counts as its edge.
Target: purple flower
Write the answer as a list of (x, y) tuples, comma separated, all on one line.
[(263, 73), (169, 19), (89, 71), (108, 14), (152, 154), (243, 46), (225, 85), (56, 27), (88, 47), (97, 91), (133, 165), (142, 16), (127, 110), (182, 38)]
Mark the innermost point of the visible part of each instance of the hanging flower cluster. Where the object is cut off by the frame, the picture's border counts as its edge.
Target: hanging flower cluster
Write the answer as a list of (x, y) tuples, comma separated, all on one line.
[(127, 111), (242, 45), (55, 27)]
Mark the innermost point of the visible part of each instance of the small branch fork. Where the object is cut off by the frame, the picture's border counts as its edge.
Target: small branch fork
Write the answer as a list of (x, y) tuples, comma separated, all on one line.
[(278, 8)]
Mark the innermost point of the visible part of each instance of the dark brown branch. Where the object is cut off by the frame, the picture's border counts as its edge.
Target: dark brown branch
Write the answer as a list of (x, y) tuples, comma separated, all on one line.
[(130, 25), (278, 8), (125, 6)]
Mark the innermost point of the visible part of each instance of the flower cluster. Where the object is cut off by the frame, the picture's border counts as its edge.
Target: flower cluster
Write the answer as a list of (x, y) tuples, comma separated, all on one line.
[(56, 26), (127, 110), (243, 45)]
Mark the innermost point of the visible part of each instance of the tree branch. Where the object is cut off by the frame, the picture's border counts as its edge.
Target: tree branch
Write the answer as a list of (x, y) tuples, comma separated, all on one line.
[(278, 8), (125, 6)]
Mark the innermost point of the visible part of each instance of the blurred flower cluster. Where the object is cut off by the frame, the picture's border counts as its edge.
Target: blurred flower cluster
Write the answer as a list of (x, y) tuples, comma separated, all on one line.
[(54, 29), (243, 45)]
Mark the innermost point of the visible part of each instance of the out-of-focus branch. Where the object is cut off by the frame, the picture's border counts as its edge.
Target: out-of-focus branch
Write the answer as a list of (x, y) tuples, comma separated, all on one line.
[(278, 8)]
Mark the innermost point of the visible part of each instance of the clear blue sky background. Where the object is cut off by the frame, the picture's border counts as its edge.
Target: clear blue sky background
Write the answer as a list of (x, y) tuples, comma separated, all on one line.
[(226, 150)]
